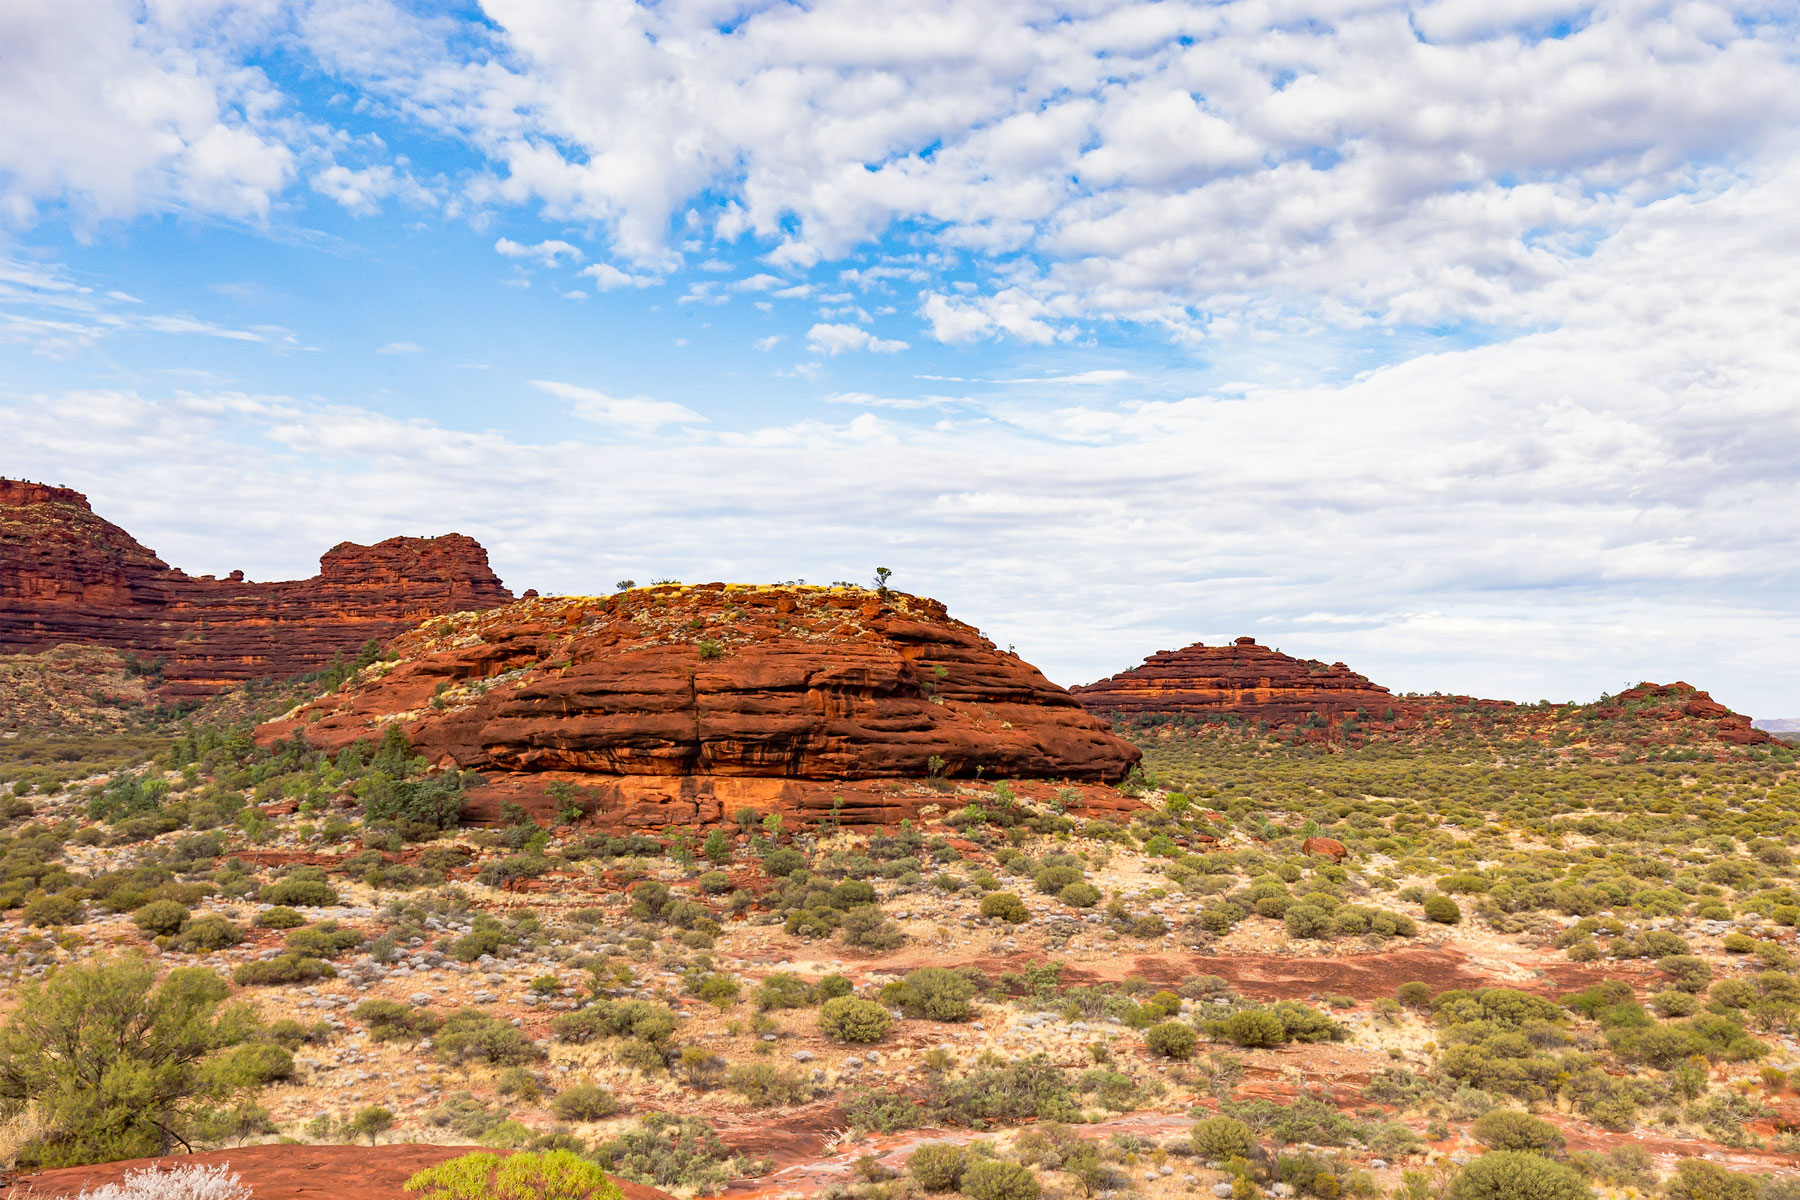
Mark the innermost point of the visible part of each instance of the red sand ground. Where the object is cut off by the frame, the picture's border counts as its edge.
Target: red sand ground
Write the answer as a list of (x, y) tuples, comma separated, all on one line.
[(285, 1172)]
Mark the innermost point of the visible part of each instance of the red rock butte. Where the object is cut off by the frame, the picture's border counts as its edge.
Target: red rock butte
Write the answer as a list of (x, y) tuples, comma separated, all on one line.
[(68, 575), (1242, 679), (684, 704)]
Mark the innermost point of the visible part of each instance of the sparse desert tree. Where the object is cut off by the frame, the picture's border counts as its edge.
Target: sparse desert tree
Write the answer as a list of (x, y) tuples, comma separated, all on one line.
[(115, 1063)]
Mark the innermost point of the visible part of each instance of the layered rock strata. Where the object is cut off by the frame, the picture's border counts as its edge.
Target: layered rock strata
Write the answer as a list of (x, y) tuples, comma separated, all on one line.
[(1242, 679), (701, 700), (67, 575)]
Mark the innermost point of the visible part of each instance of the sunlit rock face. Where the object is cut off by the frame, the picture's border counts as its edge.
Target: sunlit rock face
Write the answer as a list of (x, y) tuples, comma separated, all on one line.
[(693, 699)]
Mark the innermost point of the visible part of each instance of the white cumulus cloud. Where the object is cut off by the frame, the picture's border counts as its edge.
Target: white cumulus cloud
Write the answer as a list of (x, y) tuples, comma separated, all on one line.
[(606, 277), (636, 414), (548, 252), (839, 339)]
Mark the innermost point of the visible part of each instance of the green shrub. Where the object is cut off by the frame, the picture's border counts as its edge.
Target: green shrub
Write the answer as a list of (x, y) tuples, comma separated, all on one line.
[(327, 939), (252, 1066), (1171, 1039), (57, 909), (867, 929), (1148, 926), (765, 1085), (1671, 1003), (1079, 895), (208, 933), (667, 1151), (1696, 1179), (1442, 909), (1220, 1138), (782, 990), (1688, 973), (390, 1021), (938, 1166), (1254, 1027), (1414, 995), (848, 1019), (285, 968), (1510, 1129), (638, 1019), (1006, 906), (584, 1102), (1006, 1092), (1517, 1175), (470, 1035), (783, 862), (1306, 921), (818, 921), (713, 987), (932, 994), (161, 917), (434, 802), (991, 1179), (280, 917), (305, 893), (852, 893), (545, 1175), (1304, 1023)]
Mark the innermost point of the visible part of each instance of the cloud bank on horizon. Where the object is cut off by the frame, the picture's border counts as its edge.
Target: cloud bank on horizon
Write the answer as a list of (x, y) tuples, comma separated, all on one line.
[(1457, 340)]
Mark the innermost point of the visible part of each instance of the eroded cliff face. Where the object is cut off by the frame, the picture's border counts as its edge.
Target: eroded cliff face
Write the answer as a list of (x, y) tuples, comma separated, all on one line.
[(718, 695), (67, 575), (1242, 679)]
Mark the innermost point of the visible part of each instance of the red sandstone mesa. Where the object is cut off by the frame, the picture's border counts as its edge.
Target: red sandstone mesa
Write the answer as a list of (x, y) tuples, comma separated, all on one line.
[(689, 702), (1244, 679), (67, 575)]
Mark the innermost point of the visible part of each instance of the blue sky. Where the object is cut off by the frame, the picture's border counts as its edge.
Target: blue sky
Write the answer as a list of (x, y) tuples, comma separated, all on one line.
[(1456, 341)]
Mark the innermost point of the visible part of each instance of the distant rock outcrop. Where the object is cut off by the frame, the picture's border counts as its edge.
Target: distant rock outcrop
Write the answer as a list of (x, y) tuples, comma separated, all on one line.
[(67, 575), (1243, 679), (686, 703), (1682, 702)]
